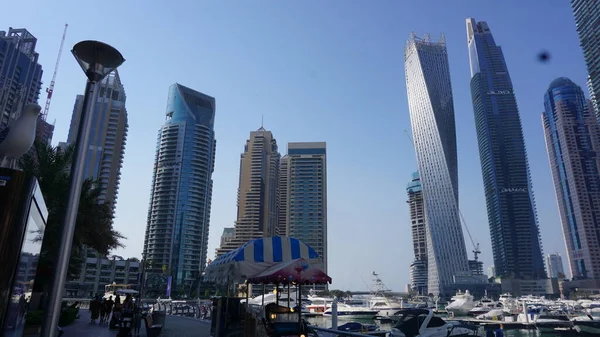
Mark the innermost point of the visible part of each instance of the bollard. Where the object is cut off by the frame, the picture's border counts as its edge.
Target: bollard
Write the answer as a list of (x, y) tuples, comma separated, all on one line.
[(334, 318)]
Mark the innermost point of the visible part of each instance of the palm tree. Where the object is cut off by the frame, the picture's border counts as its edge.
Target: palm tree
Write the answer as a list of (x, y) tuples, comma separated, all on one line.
[(93, 229)]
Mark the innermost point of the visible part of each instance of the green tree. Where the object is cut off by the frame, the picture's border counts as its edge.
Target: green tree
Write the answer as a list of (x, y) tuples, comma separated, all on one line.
[(51, 166)]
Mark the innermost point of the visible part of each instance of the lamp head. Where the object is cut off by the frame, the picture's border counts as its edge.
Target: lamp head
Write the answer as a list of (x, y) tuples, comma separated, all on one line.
[(97, 59)]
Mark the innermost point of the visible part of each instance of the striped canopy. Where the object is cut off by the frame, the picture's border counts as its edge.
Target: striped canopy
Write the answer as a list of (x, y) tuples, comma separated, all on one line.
[(256, 256)]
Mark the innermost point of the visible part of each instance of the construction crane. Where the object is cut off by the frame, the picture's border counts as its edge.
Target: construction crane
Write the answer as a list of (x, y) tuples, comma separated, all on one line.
[(476, 250), (50, 89)]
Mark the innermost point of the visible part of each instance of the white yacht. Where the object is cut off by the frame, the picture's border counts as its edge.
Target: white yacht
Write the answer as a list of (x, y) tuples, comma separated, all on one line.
[(484, 305), (318, 305), (509, 304), (351, 311), (385, 306), (423, 323), (382, 301), (461, 303)]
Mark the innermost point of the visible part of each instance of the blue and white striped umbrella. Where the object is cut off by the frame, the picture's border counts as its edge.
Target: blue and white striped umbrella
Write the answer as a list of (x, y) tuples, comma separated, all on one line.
[(256, 256)]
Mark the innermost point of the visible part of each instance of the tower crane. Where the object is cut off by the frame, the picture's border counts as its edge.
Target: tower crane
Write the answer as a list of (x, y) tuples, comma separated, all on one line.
[(476, 250), (50, 89)]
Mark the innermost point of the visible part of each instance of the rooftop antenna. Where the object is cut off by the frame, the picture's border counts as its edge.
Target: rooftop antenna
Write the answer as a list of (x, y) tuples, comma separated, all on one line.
[(262, 120)]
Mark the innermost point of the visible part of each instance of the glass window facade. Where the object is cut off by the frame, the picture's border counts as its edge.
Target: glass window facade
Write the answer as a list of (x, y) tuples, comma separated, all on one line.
[(572, 137), (506, 179), (587, 20), (176, 239), (431, 108)]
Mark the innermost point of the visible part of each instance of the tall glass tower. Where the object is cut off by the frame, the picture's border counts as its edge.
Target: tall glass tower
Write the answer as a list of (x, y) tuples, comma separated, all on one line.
[(587, 18), (572, 137), (509, 195), (431, 108), (179, 213)]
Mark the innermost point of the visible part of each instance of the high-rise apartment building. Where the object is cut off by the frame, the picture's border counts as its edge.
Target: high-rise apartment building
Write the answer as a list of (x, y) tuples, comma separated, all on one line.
[(283, 198), (587, 19), (418, 268), (307, 195), (108, 134), (227, 235), (20, 78), (257, 214), (176, 240), (555, 265), (506, 179), (572, 137), (431, 108)]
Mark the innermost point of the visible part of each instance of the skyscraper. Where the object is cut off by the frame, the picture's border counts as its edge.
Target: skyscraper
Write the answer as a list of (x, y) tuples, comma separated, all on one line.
[(507, 183), (418, 268), (176, 240), (572, 137), (307, 195), (108, 135), (431, 108), (282, 196), (555, 265), (20, 77), (587, 16), (257, 192)]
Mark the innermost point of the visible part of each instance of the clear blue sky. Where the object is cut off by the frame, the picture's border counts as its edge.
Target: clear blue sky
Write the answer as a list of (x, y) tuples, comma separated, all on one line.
[(319, 71)]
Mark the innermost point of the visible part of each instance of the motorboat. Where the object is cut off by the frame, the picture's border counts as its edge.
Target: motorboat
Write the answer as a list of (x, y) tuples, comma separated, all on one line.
[(461, 304), (493, 315), (351, 311), (385, 306), (509, 304), (589, 323), (357, 327), (549, 322), (318, 305), (423, 323), (484, 306), (382, 301)]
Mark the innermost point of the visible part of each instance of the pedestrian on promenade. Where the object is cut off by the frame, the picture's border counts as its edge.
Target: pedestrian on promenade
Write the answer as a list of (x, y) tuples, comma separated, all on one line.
[(137, 320), (95, 309)]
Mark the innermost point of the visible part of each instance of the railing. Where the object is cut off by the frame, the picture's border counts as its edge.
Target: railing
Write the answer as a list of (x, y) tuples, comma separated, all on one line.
[(188, 308), (329, 332)]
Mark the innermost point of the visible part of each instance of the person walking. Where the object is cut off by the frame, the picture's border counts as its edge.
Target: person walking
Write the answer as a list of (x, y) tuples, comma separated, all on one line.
[(137, 320)]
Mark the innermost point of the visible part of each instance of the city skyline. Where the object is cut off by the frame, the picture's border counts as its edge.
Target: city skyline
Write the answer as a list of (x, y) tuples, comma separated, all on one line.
[(381, 80), (507, 183), (431, 108)]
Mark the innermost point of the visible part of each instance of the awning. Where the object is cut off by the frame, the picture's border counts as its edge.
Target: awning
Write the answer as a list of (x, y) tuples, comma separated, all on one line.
[(256, 256), (295, 271)]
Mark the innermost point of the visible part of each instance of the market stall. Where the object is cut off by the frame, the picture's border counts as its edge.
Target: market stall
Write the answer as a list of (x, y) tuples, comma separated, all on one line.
[(257, 256), (283, 320)]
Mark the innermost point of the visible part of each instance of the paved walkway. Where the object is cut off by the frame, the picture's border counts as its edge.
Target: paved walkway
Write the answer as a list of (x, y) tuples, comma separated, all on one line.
[(175, 326)]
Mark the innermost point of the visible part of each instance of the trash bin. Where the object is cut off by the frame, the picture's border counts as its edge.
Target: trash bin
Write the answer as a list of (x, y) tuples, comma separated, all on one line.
[(159, 317)]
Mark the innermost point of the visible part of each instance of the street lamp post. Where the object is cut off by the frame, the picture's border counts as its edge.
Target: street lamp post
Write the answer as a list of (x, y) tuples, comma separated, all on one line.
[(97, 60)]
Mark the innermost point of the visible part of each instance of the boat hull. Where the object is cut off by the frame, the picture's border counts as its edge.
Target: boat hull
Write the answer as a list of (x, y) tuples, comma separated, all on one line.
[(353, 314), (589, 327)]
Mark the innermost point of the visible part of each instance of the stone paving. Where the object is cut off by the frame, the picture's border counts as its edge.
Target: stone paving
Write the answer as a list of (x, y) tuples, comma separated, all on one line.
[(175, 326)]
